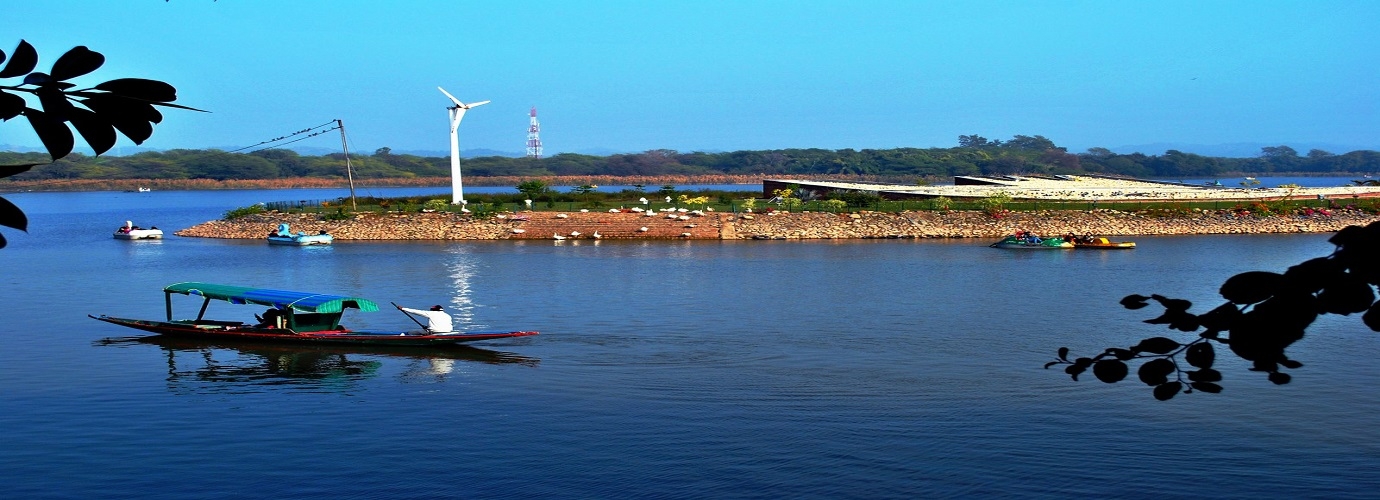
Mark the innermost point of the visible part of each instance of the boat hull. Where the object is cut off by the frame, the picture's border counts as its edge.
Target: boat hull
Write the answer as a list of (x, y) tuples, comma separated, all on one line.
[(140, 234), (1103, 244), (1019, 244), (237, 331), (301, 240), (1120, 245)]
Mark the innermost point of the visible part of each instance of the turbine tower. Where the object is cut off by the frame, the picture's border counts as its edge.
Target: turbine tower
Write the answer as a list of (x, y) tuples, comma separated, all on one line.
[(457, 112), (534, 136)]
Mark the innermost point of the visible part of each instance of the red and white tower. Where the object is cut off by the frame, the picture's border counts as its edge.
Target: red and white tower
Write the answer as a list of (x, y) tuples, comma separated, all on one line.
[(534, 136)]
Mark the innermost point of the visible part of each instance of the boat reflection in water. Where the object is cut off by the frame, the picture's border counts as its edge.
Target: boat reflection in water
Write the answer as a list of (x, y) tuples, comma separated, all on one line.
[(248, 365)]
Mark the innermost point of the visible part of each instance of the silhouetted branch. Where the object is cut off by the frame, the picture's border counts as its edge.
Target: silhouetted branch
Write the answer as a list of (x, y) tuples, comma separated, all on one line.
[(125, 105), (1264, 314)]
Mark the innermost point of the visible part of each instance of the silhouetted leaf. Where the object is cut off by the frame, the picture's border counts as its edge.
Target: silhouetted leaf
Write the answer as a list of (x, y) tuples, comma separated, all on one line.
[(1179, 305), (1176, 319), (10, 105), (1121, 354), (1110, 370), (37, 78), (1313, 274), (132, 118), (1201, 355), (139, 88), (1207, 387), (1135, 301), (1157, 345), (12, 216), (1051, 363), (1155, 372), (1291, 364), (1280, 378), (55, 103), (1075, 370), (1064, 353), (1372, 317), (1251, 287), (1346, 295), (1165, 392), (94, 129), (1204, 375), (1221, 318), (55, 135), (8, 170), (21, 62), (1294, 311), (77, 62), (1347, 235)]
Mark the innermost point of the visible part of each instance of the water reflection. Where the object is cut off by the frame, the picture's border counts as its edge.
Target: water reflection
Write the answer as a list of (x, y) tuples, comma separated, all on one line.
[(461, 267), (251, 366)]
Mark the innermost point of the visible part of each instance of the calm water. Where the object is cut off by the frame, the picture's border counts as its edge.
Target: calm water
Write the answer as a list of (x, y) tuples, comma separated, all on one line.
[(694, 369)]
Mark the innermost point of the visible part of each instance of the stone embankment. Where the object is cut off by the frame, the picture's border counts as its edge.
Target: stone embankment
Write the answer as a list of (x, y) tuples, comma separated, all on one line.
[(711, 225)]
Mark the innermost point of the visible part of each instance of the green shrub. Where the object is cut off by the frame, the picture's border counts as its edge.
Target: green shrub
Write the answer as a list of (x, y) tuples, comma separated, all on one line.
[(233, 214)]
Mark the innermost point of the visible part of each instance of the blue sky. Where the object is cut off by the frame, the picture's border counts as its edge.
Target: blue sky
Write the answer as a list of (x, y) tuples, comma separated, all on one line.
[(714, 76)]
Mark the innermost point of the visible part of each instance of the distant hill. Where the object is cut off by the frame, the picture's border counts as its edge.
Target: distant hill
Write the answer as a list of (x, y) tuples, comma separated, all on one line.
[(1232, 150)]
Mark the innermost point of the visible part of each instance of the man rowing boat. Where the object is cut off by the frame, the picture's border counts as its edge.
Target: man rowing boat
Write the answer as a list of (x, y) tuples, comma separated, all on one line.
[(437, 319)]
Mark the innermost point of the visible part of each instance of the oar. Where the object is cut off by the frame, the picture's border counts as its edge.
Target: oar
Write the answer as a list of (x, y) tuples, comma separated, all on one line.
[(409, 316)]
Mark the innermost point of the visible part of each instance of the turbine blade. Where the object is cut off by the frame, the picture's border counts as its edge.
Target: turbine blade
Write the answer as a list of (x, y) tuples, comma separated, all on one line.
[(452, 98), (480, 103)]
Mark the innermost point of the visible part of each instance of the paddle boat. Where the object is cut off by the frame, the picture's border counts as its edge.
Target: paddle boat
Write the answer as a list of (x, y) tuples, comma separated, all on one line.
[(300, 317), (129, 231), (284, 236), (1101, 243), (1027, 241)]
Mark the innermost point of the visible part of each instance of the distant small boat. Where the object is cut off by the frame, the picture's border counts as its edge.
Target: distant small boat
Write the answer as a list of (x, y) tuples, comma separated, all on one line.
[(129, 231), (283, 236), (144, 190)]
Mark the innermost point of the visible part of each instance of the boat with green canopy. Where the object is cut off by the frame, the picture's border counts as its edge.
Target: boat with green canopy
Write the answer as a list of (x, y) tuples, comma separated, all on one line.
[(291, 317)]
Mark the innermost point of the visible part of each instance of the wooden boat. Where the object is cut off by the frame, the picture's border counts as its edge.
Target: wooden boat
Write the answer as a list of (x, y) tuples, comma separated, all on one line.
[(301, 317), (1102, 243), (129, 231), (284, 236), (1023, 243)]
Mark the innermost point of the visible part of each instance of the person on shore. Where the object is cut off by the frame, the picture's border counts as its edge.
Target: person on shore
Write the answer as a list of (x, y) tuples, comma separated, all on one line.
[(438, 321)]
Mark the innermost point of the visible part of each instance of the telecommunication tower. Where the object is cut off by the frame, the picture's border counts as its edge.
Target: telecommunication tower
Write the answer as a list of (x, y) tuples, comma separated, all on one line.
[(534, 136)]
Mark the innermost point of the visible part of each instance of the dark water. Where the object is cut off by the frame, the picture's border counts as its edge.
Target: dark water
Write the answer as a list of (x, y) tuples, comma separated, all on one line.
[(865, 369)]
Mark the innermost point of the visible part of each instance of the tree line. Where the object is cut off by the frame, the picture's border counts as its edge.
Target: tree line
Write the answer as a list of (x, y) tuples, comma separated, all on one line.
[(974, 155)]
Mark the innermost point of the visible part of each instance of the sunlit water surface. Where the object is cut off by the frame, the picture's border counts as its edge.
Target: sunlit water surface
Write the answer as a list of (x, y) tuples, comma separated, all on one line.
[(690, 369)]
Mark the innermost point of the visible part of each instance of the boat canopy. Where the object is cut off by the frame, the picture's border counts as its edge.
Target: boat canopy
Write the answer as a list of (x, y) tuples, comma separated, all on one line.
[(282, 299)]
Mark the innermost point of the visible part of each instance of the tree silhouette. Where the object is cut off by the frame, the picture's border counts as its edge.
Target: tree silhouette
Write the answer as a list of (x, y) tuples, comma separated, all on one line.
[(126, 105), (1264, 314)]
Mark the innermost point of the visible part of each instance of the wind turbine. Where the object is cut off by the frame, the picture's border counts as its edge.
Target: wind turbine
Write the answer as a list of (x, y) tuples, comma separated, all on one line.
[(457, 112)]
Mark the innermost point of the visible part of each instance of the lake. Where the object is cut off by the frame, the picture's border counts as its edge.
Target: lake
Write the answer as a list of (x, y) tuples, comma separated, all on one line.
[(664, 369)]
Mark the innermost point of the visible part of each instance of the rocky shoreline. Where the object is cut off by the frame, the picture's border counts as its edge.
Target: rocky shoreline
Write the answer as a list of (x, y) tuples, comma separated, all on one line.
[(779, 225)]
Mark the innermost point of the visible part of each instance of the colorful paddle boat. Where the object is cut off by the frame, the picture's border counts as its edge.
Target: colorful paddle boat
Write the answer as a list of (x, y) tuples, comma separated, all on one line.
[(299, 317), (129, 231), (1027, 241), (284, 236)]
